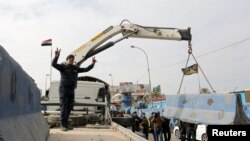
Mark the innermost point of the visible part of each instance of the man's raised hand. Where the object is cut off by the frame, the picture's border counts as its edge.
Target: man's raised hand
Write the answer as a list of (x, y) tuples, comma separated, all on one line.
[(57, 52), (93, 60)]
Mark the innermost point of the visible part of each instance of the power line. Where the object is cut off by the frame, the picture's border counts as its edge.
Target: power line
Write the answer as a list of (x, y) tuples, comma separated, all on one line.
[(220, 49), (205, 54), (138, 78)]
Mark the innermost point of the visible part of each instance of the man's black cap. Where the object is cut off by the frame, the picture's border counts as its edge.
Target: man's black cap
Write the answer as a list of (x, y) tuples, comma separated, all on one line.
[(70, 56)]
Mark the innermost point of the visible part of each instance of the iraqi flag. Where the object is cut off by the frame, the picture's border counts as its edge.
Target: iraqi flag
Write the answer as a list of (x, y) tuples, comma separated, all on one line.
[(47, 42)]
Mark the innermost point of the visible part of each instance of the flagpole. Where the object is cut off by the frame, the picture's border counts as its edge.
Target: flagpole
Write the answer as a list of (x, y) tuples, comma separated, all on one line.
[(50, 63), (48, 42)]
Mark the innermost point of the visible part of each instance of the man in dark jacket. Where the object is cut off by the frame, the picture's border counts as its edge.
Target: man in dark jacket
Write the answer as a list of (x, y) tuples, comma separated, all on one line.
[(166, 129), (68, 83), (135, 122), (145, 125)]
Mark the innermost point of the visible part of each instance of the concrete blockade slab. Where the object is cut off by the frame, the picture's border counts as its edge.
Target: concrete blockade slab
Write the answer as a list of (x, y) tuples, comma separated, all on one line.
[(31, 127), (20, 107)]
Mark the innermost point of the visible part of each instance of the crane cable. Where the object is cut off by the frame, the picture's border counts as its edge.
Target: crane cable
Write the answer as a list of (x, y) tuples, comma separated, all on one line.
[(190, 52)]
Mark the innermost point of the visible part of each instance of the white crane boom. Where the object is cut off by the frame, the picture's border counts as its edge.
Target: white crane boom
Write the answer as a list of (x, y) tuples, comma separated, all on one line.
[(93, 47)]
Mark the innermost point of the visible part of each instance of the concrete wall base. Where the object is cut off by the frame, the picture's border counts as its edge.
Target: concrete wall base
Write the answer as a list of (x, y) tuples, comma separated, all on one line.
[(30, 127)]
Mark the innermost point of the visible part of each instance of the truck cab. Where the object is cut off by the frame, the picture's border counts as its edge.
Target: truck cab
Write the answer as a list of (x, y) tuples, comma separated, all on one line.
[(91, 97)]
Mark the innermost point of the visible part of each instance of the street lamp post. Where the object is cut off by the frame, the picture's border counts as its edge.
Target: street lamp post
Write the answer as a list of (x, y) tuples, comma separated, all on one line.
[(149, 79), (46, 82), (111, 76)]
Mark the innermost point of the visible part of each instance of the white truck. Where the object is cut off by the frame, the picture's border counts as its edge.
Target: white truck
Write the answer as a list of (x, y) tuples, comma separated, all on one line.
[(90, 102)]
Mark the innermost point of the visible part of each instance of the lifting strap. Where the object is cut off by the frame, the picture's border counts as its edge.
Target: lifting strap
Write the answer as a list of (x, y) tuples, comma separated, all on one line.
[(191, 53)]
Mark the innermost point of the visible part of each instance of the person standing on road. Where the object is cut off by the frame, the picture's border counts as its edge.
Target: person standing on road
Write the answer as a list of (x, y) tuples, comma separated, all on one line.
[(145, 125), (68, 83), (157, 126), (166, 129), (135, 122)]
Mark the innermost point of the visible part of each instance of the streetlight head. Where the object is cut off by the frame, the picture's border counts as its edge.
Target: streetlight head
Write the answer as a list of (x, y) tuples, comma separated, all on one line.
[(132, 46)]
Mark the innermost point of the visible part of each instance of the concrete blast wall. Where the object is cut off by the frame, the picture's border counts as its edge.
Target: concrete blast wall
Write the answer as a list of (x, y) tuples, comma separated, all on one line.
[(20, 110)]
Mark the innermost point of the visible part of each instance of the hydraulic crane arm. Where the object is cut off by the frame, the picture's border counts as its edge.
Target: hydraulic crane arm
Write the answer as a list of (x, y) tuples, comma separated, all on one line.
[(93, 47)]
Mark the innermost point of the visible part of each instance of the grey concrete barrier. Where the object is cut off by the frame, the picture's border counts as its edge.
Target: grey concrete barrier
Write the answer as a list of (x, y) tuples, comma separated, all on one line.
[(20, 108)]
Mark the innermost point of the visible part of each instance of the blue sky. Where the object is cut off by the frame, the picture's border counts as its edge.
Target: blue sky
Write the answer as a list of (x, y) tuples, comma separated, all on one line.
[(24, 24)]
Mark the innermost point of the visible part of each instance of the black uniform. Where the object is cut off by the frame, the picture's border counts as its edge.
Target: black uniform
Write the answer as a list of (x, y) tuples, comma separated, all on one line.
[(166, 129), (135, 123), (68, 83), (145, 125)]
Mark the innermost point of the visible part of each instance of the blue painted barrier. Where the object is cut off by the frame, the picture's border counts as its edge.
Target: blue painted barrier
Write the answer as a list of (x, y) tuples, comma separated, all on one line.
[(196, 108), (206, 109)]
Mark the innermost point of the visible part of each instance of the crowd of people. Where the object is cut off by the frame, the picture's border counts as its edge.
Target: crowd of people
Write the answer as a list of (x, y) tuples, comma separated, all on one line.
[(155, 124)]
